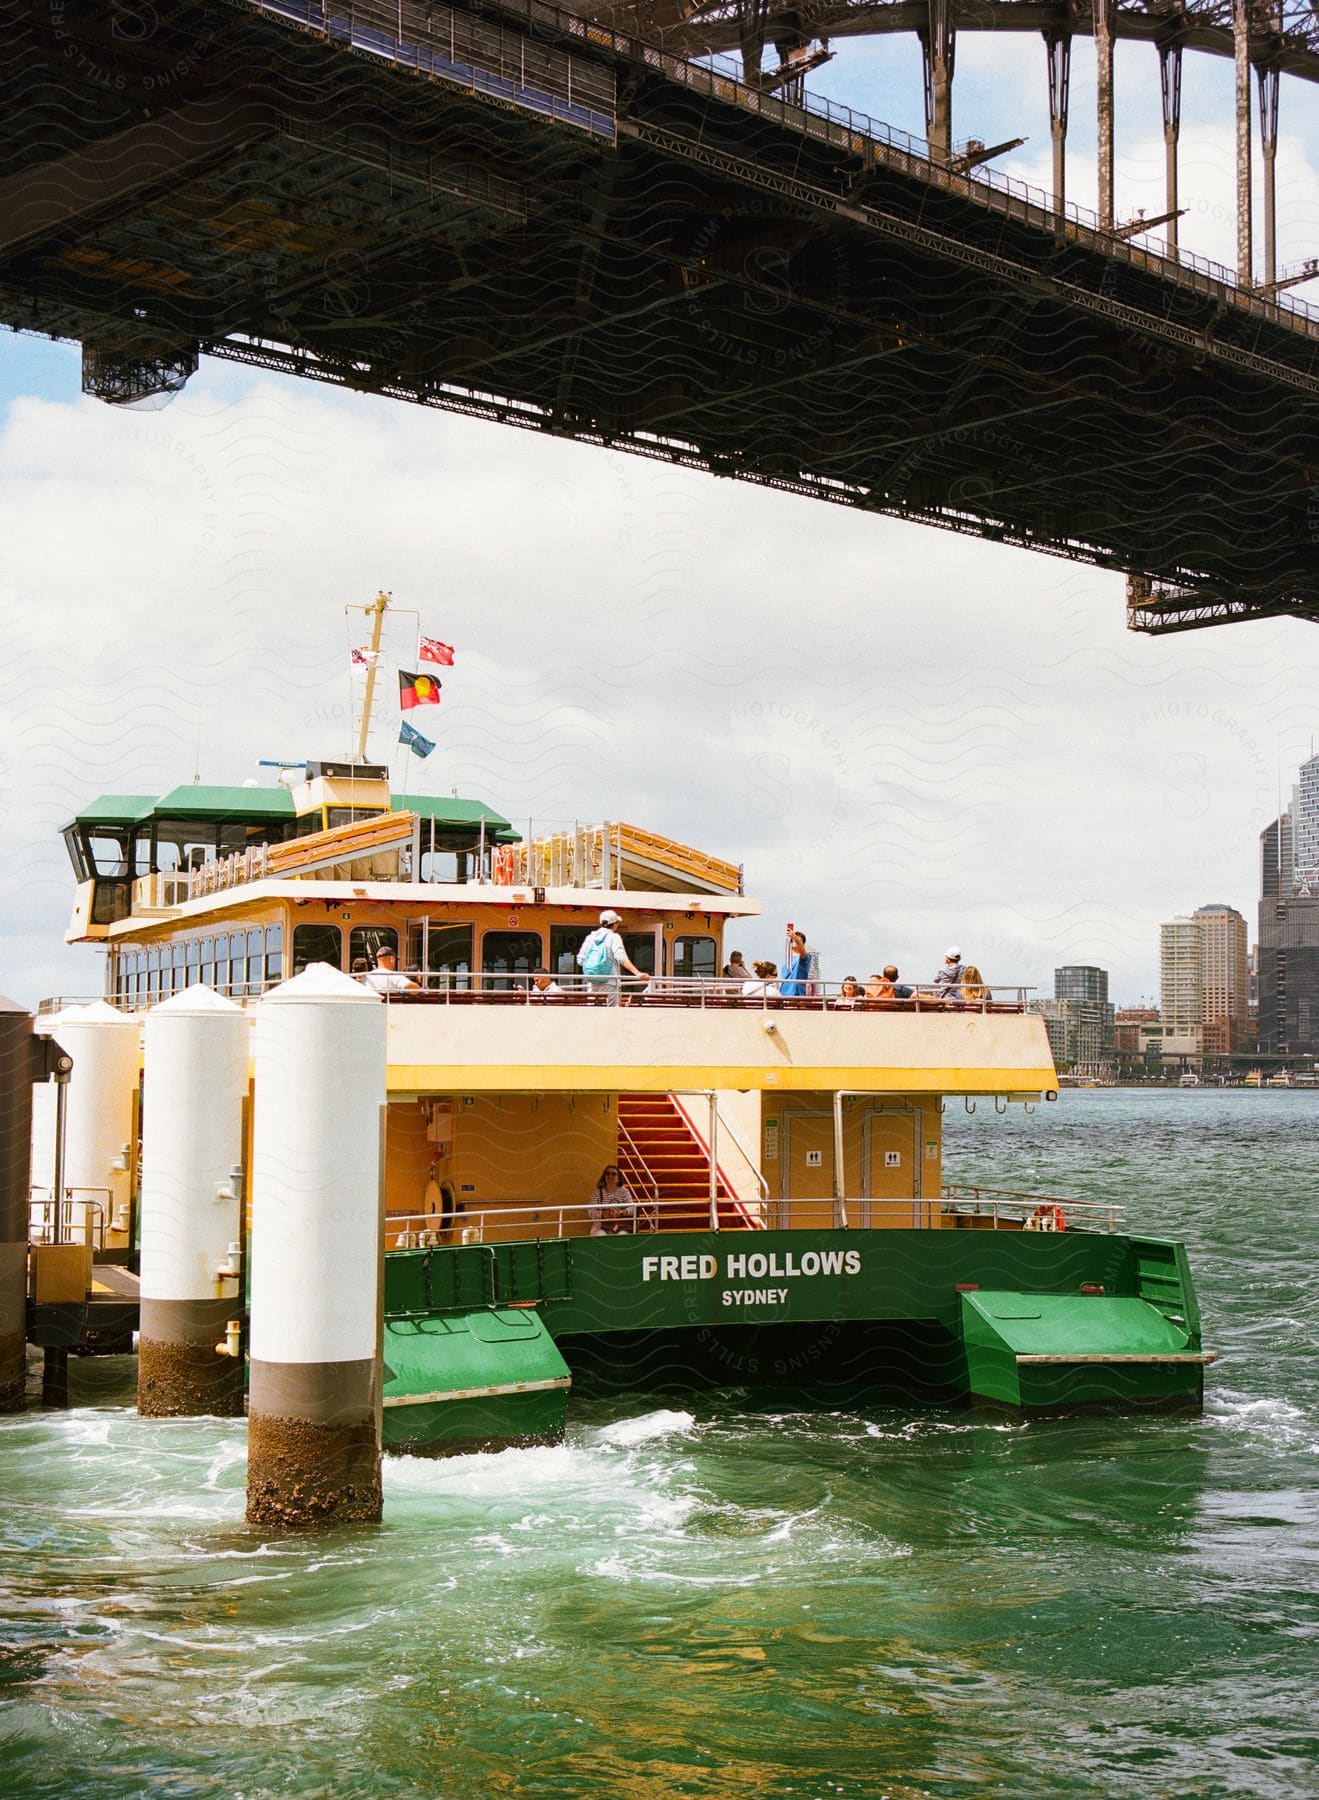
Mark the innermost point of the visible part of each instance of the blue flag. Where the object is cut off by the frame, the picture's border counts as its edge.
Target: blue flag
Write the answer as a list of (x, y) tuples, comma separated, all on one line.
[(419, 745)]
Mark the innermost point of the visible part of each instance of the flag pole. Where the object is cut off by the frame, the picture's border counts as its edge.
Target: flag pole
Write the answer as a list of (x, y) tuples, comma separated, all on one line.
[(379, 607)]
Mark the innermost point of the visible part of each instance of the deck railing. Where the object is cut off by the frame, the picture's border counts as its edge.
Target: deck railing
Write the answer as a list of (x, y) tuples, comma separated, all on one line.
[(705, 994), (1012, 1208), (1001, 1208)]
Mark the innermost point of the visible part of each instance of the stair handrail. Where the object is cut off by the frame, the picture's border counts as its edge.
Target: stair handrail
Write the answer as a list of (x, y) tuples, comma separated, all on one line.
[(712, 1095), (642, 1164)]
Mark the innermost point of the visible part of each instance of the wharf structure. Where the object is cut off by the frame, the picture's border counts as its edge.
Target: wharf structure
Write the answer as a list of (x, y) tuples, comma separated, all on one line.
[(787, 1214)]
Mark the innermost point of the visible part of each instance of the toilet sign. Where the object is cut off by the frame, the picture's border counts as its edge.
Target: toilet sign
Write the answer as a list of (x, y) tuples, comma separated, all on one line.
[(893, 1159), (814, 1158)]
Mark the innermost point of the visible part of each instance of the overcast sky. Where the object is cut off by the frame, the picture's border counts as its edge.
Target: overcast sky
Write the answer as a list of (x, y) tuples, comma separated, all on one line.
[(908, 738)]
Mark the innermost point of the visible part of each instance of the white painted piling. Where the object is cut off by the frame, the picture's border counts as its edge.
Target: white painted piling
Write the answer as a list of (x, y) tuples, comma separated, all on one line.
[(317, 1248), (105, 1045), (194, 1080)]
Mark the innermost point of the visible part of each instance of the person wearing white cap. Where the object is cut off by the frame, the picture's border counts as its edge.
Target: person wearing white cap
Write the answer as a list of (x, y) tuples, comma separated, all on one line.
[(948, 979), (603, 957)]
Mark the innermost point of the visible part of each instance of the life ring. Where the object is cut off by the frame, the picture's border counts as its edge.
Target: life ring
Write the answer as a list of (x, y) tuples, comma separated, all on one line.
[(1047, 1217)]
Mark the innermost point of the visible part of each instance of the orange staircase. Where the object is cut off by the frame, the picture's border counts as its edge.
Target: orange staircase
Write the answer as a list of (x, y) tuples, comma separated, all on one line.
[(658, 1148)]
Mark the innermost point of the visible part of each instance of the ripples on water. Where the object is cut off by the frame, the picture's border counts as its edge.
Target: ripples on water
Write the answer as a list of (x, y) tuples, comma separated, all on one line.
[(693, 1598)]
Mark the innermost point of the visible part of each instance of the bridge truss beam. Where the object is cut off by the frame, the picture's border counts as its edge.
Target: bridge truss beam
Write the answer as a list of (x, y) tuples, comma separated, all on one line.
[(516, 215)]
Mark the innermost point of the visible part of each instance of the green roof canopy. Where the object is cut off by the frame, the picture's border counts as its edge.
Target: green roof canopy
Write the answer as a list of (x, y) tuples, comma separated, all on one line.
[(450, 810), (221, 803), (115, 809), (261, 804)]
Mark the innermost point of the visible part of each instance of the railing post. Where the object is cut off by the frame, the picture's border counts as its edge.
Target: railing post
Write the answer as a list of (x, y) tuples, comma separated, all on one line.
[(839, 1186)]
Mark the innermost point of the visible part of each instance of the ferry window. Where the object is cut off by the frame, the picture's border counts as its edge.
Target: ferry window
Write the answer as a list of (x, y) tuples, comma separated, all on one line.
[(256, 960), (208, 961), (509, 953), (112, 900), (640, 947), (365, 940), (177, 844), (308, 823), (153, 976), (450, 955), (695, 956), (193, 958), (73, 844), (565, 941), (349, 815), (237, 961), (222, 965), (107, 852), (274, 952), (316, 943)]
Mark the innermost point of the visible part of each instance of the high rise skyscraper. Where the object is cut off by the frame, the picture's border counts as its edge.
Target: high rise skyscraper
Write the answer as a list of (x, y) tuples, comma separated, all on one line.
[(1181, 988), (1277, 863), (1204, 980), (1079, 1019), (1289, 924), (1224, 978), (1081, 981), (1305, 825)]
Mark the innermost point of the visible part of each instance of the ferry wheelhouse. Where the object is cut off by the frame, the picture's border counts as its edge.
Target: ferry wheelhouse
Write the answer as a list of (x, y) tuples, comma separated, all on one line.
[(788, 1219)]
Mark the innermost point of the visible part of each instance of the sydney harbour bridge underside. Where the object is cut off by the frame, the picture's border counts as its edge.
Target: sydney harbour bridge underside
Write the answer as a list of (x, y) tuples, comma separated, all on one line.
[(559, 221)]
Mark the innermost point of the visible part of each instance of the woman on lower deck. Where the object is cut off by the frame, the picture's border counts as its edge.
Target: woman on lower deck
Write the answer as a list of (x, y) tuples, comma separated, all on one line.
[(612, 1208)]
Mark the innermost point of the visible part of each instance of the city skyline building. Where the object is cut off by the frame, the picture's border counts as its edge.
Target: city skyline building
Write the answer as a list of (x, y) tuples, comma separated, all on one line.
[(1224, 978), (1204, 982), (1305, 826), (1181, 988), (1287, 949), (1079, 1018), (1081, 981)]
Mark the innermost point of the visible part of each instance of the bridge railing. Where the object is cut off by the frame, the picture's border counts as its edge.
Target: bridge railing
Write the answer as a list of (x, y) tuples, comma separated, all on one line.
[(405, 32)]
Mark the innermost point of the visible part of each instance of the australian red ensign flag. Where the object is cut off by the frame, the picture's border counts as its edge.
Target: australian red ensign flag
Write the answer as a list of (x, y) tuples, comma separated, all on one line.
[(432, 650), (417, 690)]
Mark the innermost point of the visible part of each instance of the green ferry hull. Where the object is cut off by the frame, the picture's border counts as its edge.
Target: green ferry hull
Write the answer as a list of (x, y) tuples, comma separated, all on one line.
[(1030, 1322)]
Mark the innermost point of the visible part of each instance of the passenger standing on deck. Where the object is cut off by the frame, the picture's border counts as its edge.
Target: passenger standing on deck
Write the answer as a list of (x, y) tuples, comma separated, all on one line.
[(797, 968), (385, 977), (603, 957), (948, 979), (611, 1208)]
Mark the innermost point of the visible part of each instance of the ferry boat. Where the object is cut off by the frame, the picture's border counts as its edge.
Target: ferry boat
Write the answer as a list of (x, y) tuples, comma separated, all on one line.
[(785, 1220)]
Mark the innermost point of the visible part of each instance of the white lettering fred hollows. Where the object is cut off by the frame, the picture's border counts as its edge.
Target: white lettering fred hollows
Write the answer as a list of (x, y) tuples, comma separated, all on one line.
[(753, 1265)]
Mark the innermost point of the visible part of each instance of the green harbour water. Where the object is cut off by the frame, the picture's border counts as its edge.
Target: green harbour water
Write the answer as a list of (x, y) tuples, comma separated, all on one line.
[(713, 1596)]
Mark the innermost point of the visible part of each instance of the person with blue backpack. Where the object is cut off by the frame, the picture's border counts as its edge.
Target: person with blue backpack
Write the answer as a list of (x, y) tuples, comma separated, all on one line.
[(602, 959)]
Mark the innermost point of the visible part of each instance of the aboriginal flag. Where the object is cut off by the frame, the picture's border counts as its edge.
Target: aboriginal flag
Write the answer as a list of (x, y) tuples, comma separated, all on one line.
[(417, 690)]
